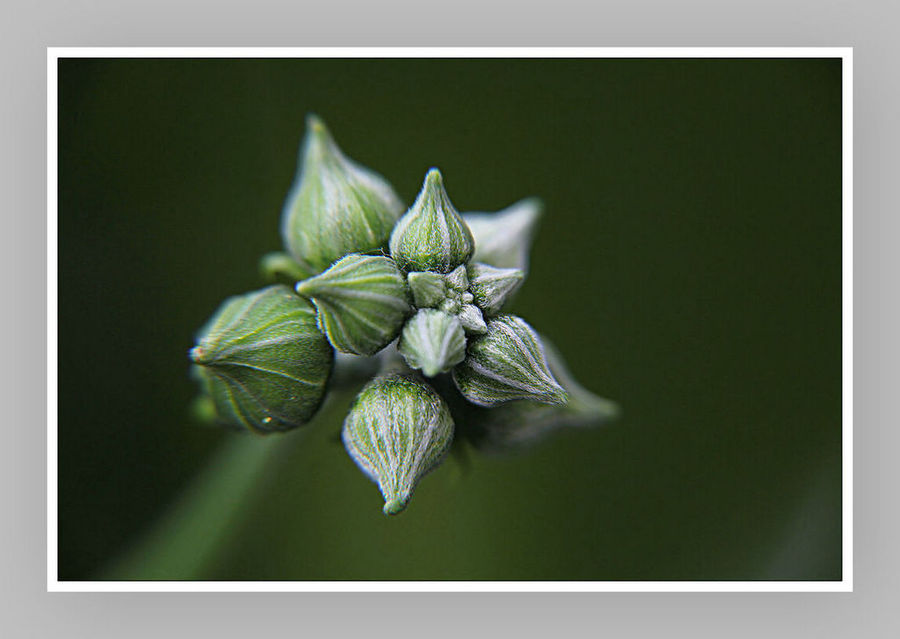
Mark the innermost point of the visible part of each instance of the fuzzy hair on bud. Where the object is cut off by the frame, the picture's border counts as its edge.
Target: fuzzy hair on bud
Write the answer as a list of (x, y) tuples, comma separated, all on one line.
[(472, 320), (397, 431), (428, 289), (335, 206), (492, 287), (507, 363), (432, 236), (362, 300), (432, 342)]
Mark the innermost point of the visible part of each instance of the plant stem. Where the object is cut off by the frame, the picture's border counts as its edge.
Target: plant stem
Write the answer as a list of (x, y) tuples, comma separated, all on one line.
[(189, 535)]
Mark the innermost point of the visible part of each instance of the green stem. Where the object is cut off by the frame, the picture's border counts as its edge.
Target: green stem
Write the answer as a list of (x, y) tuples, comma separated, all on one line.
[(189, 535)]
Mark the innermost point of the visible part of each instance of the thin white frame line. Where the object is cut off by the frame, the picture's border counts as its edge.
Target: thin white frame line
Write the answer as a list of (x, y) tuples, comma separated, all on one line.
[(847, 317), (52, 323), (846, 582)]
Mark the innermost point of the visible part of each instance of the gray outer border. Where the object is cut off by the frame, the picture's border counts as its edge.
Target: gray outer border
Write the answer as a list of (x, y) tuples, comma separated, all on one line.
[(870, 27)]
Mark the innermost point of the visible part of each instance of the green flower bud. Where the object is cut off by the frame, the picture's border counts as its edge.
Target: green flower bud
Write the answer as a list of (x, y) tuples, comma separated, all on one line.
[(517, 424), (335, 206), (431, 236), (397, 431), (432, 342), (491, 287), (428, 289), (507, 363), (472, 320), (503, 239), (362, 301), (263, 360)]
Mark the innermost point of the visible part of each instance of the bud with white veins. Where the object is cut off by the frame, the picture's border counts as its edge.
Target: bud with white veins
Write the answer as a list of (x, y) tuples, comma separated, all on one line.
[(335, 206), (262, 361), (507, 363), (397, 431), (431, 236), (362, 300), (518, 424)]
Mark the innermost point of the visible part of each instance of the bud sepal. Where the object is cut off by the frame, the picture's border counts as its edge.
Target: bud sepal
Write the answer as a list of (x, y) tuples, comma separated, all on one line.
[(492, 287), (432, 341), (428, 289), (282, 268)]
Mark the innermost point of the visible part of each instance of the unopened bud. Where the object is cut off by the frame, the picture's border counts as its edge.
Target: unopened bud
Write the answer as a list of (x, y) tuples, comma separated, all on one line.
[(263, 360), (362, 300), (505, 364), (431, 236), (398, 430), (335, 206)]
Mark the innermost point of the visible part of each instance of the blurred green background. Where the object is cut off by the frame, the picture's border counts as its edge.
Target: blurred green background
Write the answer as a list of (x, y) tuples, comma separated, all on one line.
[(688, 266)]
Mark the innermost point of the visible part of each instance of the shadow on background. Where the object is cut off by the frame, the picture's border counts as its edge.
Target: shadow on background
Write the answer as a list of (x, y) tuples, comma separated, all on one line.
[(688, 266)]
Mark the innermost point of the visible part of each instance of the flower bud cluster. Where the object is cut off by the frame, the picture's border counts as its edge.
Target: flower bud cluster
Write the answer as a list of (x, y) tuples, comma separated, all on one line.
[(424, 291)]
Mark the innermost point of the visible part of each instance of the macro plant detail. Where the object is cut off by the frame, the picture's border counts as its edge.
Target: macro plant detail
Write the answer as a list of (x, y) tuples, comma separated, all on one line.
[(407, 303)]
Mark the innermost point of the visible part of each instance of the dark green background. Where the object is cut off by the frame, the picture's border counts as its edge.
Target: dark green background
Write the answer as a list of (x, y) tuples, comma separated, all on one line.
[(688, 266)]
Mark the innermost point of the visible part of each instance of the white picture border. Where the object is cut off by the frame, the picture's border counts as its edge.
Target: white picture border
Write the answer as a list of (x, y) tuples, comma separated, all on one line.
[(844, 585)]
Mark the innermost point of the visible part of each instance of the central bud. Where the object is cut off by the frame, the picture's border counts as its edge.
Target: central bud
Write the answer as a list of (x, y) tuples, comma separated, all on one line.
[(450, 294)]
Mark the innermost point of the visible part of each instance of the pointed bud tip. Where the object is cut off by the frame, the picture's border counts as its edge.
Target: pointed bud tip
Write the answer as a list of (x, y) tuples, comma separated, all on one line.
[(430, 369), (315, 124), (303, 288), (533, 206), (197, 355), (395, 506), (434, 179), (606, 409), (318, 136)]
